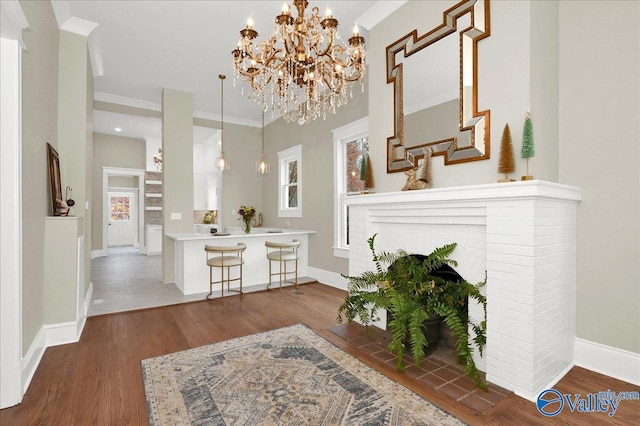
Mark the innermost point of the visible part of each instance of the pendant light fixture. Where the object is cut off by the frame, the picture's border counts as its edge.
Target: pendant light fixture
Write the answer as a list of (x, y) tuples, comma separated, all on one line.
[(222, 163), (262, 165)]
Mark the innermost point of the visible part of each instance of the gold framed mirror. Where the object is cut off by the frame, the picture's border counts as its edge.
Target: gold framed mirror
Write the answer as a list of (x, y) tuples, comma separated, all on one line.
[(55, 183), (435, 106)]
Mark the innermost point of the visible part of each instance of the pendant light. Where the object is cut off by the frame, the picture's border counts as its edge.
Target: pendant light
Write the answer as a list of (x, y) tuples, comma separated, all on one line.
[(262, 165), (222, 163)]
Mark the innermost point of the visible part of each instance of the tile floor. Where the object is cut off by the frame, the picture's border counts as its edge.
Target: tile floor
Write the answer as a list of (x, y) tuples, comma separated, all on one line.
[(125, 280), (439, 370)]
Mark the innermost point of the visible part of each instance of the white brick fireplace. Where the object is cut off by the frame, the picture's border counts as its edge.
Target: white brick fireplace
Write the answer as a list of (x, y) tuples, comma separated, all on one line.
[(523, 234)]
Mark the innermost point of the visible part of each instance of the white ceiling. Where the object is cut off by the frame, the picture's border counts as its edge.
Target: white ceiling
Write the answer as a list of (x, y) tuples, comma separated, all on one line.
[(140, 47)]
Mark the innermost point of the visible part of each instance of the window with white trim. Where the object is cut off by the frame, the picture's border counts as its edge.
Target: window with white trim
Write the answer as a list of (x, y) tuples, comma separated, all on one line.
[(290, 182), (350, 147)]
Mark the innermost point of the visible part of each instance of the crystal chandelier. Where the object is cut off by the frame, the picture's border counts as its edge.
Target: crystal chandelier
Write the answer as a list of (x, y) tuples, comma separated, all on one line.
[(304, 69)]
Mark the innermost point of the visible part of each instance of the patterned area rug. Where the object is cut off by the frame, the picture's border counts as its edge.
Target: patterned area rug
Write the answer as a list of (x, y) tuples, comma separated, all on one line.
[(289, 376)]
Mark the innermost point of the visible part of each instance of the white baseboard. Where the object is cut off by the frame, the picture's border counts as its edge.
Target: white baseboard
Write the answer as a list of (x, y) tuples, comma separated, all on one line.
[(69, 332), (617, 363), (85, 311), (62, 333), (329, 278), (98, 253), (87, 299), (52, 335), (32, 358)]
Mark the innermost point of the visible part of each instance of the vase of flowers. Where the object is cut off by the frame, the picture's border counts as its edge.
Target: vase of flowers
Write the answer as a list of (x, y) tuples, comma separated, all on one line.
[(247, 213)]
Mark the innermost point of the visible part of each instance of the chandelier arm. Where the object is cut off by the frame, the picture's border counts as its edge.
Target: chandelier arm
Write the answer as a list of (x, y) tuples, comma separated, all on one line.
[(353, 79), (263, 62), (330, 46)]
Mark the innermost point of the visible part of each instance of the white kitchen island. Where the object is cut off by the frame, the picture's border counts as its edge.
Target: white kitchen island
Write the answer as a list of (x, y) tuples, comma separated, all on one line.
[(192, 272)]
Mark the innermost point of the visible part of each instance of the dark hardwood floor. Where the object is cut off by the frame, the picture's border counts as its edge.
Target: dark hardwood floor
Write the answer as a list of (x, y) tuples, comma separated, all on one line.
[(98, 380)]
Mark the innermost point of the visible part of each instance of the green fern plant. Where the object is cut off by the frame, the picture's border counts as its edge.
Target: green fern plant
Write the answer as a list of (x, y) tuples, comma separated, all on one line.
[(406, 287)]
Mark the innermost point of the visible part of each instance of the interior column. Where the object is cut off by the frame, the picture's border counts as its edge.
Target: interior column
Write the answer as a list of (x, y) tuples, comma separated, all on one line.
[(177, 169)]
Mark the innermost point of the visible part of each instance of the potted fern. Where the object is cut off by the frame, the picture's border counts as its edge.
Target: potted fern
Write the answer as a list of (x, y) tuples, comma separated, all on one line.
[(412, 291)]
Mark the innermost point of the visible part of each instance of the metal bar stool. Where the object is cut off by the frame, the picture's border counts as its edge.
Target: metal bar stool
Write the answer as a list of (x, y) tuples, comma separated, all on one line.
[(229, 256), (283, 253)]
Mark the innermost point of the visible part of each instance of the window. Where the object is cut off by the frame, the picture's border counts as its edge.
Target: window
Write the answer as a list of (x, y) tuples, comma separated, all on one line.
[(350, 146), (290, 182), (120, 208)]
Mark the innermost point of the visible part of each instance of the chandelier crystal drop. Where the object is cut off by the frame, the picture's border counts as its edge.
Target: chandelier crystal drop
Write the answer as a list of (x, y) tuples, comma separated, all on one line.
[(304, 70)]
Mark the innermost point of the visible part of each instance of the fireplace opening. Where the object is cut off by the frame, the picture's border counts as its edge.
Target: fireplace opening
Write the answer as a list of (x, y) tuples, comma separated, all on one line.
[(440, 338)]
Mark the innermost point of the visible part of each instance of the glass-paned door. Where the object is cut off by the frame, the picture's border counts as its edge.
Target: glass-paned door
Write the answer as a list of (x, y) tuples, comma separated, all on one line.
[(121, 206)]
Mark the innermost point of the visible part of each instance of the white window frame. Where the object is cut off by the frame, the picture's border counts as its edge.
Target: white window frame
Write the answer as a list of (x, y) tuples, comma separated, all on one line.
[(285, 157), (341, 137)]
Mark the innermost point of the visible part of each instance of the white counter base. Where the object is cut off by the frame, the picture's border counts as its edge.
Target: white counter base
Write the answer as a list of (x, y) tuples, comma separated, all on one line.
[(192, 272)]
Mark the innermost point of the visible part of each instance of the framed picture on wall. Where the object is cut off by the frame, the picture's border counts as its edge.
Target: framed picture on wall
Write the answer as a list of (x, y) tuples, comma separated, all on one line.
[(54, 178)]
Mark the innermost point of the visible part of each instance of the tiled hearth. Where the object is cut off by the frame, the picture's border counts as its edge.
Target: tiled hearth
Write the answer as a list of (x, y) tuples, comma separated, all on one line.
[(437, 371), (522, 235)]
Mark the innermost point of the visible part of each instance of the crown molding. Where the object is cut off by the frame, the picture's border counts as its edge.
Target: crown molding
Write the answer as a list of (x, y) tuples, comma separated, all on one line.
[(378, 12), (68, 22), (153, 106), (12, 20), (123, 100)]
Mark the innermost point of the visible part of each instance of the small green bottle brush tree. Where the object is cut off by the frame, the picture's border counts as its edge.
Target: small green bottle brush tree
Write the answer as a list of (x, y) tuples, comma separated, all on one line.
[(527, 144)]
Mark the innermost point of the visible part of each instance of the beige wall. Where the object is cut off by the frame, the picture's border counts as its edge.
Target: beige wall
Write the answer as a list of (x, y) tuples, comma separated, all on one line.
[(39, 125), (177, 171), (111, 151), (544, 91), (599, 152), (72, 115), (88, 175), (317, 178), (241, 184)]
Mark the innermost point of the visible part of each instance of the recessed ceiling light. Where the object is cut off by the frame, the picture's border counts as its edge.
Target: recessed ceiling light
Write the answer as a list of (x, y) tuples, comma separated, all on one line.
[(118, 129)]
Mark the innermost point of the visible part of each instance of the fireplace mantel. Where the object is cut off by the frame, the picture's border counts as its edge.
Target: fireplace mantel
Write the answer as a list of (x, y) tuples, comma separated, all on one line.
[(522, 235), (492, 191)]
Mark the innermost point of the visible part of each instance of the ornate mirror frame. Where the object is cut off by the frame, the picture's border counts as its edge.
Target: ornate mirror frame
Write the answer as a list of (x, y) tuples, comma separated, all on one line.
[(401, 157)]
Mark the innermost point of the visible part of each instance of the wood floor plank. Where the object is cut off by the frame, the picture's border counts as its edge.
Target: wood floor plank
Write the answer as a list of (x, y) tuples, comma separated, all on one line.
[(98, 381)]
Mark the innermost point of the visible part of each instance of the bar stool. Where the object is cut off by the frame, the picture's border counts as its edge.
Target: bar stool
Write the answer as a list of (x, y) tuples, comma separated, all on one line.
[(228, 257), (283, 253)]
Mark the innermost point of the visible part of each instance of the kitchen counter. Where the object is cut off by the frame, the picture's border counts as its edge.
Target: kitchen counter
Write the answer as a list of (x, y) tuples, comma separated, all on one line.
[(237, 232), (192, 272)]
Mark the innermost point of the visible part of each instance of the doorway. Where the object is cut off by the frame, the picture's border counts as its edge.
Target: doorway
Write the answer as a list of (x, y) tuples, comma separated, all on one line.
[(122, 215), (129, 182)]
